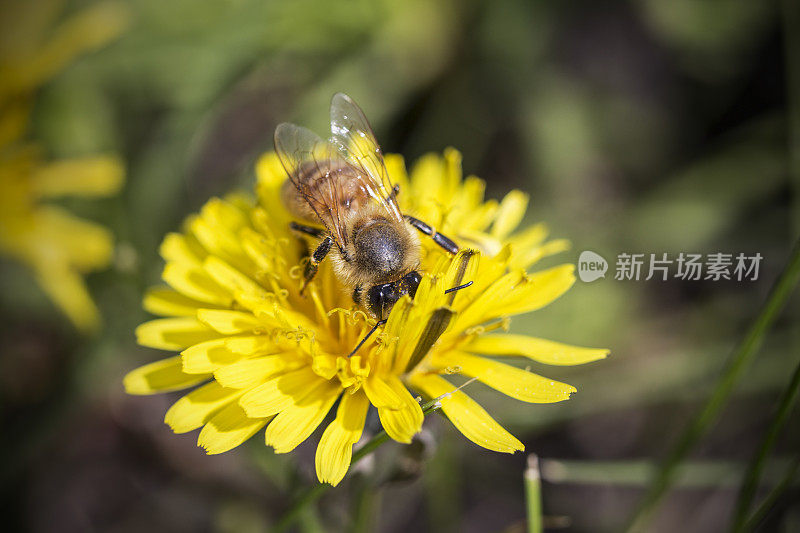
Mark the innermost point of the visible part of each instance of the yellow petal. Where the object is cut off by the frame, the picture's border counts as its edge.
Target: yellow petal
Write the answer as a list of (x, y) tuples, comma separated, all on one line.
[(297, 422), (14, 119), (492, 269), (160, 376), (176, 248), (525, 258), (251, 345), (397, 327), (251, 372), (463, 268), (86, 30), (196, 284), (228, 429), (510, 214), (68, 291), (401, 424), (217, 240), (427, 184), (335, 449), (228, 322), (539, 290), (466, 415), (197, 407), (208, 356), (85, 245), (232, 279), (514, 293), (512, 381), (173, 333), (472, 191), (477, 219), (255, 245), (396, 168), (279, 393), (269, 170), (490, 302), (452, 171), (529, 237), (88, 176), (380, 394), (224, 214), (541, 350), (271, 175), (164, 301)]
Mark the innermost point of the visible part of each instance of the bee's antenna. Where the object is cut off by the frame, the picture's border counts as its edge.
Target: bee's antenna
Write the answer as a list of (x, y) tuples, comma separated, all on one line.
[(378, 324), (458, 288)]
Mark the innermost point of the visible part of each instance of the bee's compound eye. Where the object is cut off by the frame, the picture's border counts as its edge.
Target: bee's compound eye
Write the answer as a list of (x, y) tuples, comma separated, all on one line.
[(412, 281), (381, 298)]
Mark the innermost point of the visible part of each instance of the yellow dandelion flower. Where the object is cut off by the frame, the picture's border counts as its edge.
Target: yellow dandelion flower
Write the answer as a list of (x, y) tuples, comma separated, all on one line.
[(267, 356), (57, 246)]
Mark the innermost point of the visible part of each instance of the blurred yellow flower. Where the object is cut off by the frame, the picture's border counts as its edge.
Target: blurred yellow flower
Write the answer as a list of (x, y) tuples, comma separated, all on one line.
[(57, 246), (269, 356)]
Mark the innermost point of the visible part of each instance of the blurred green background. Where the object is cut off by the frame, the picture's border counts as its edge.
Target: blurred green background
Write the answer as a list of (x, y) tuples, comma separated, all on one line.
[(639, 126)]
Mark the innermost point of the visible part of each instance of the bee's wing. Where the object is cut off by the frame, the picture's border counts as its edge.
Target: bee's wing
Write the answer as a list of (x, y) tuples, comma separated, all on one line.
[(352, 137), (308, 161)]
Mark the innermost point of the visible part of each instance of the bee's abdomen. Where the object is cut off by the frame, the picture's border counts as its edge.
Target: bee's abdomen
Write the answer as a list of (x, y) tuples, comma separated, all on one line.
[(318, 190)]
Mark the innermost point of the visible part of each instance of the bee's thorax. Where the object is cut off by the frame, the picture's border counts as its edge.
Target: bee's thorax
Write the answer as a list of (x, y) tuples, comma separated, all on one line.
[(380, 249)]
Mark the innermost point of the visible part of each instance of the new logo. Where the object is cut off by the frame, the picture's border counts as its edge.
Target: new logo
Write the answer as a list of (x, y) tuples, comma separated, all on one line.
[(591, 266)]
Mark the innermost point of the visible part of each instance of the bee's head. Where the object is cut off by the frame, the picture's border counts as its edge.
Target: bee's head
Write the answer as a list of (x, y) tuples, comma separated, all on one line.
[(381, 298)]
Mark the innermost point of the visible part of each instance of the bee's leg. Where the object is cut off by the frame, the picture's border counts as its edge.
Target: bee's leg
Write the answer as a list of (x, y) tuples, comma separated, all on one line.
[(378, 324), (315, 259), (308, 230), (442, 240)]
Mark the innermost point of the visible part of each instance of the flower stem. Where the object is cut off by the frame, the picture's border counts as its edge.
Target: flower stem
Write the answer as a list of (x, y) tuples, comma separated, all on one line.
[(365, 507), (738, 363), (314, 492), (533, 494), (750, 483), (309, 496)]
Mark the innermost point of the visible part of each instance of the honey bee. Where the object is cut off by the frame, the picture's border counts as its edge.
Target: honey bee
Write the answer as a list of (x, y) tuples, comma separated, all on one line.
[(342, 184)]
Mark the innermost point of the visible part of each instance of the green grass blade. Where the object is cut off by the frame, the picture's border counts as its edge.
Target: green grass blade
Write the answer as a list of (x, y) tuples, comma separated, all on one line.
[(533, 495), (695, 474), (756, 466), (738, 363), (772, 498)]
